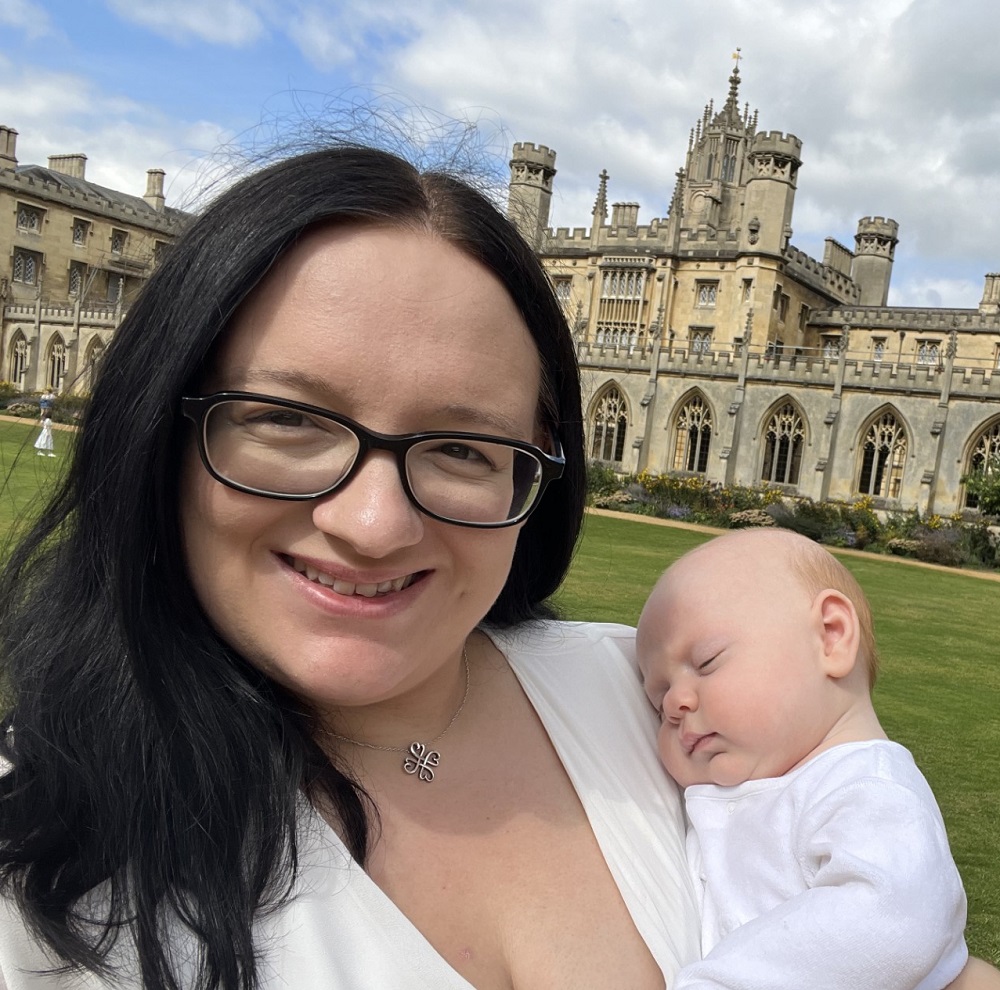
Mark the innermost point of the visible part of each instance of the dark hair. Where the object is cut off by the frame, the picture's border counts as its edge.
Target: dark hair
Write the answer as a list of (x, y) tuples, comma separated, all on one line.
[(148, 758)]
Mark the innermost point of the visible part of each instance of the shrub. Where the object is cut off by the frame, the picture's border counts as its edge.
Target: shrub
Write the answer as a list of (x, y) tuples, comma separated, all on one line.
[(69, 408), (985, 486), (23, 408), (601, 480), (939, 546), (980, 545), (750, 518), (613, 500)]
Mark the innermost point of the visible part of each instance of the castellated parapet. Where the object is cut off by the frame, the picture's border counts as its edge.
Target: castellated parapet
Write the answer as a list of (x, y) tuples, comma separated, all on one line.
[(776, 143), (534, 154), (880, 227)]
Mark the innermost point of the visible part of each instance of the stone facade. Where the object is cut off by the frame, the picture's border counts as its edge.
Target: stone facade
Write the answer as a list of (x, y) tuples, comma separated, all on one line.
[(72, 256), (709, 344)]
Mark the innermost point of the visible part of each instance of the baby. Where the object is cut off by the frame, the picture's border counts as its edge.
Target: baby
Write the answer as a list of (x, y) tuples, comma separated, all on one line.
[(817, 848)]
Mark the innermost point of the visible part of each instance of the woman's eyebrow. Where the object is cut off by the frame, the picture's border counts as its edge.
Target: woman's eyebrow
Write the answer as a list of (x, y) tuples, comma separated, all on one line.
[(490, 421)]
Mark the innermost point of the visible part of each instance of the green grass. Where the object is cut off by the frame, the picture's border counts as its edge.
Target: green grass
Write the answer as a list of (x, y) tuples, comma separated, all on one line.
[(938, 694), (25, 478)]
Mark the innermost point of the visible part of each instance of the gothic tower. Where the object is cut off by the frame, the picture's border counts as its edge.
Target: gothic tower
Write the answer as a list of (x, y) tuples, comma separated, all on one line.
[(875, 244), (716, 164), (532, 168), (770, 194)]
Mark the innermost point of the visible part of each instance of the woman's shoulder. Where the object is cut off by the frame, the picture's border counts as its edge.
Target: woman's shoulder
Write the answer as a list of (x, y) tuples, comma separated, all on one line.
[(572, 641)]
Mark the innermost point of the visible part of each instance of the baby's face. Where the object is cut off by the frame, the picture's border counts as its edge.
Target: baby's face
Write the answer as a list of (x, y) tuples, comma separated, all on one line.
[(731, 651)]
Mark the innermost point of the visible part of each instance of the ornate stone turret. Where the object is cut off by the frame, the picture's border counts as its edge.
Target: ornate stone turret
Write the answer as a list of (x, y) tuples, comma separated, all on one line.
[(532, 169), (874, 247), (770, 196)]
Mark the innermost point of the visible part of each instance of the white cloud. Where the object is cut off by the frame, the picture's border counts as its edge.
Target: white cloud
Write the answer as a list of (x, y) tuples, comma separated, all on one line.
[(897, 103), (62, 113), (235, 23), (29, 17)]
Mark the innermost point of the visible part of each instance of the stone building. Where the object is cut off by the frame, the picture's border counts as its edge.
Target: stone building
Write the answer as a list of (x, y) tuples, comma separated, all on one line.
[(72, 256), (710, 345)]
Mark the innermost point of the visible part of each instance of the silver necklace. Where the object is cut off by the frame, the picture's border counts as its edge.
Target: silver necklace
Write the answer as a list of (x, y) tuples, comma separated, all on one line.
[(420, 760)]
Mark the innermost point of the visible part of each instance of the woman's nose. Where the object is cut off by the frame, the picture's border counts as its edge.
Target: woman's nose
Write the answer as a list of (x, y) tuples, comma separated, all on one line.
[(372, 512)]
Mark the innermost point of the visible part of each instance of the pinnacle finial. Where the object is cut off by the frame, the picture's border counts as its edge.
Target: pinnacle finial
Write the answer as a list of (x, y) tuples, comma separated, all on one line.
[(734, 83), (601, 203)]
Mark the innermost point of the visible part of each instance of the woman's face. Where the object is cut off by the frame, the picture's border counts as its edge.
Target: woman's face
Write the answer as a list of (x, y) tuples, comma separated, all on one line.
[(357, 598)]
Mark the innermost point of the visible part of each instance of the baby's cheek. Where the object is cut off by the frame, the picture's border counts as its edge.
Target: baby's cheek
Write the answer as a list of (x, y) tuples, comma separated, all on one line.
[(671, 755)]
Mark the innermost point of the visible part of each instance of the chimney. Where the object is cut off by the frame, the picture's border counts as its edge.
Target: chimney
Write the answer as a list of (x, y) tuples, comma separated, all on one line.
[(154, 189), (8, 144), (990, 302), (75, 166)]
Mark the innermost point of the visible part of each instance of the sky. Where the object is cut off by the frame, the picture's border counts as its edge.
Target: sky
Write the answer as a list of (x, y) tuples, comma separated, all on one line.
[(896, 102)]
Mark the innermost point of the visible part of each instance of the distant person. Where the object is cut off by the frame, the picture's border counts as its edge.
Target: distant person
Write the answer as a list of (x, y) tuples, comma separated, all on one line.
[(816, 846), (46, 403), (45, 445)]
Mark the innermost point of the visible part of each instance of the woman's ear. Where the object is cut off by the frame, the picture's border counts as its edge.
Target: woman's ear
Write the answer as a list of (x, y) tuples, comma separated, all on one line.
[(840, 632)]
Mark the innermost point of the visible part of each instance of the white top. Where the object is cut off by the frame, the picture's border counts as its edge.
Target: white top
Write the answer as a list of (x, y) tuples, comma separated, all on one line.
[(341, 932), (836, 875)]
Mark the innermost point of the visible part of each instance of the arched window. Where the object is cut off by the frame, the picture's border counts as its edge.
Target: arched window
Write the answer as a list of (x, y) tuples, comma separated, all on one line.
[(984, 459), (95, 351), (608, 426), (693, 436), (17, 361), (783, 438), (56, 364), (882, 458)]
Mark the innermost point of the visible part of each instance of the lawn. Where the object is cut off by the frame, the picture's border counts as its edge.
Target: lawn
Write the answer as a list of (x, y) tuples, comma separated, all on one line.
[(939, 692), (24, 476)]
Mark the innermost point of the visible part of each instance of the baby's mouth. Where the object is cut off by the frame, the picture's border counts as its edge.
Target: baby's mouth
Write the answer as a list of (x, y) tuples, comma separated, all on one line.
[(349, 588)]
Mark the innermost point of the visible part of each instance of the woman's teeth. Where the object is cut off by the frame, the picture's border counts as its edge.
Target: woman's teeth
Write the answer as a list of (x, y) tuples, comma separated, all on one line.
[(348, 587)]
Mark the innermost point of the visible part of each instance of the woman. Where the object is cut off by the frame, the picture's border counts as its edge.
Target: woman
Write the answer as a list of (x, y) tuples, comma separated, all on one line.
[(300, 725)]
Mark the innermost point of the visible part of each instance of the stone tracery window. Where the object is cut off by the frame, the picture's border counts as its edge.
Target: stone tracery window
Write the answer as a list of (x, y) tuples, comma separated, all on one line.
[(608, 425), (783, 440), (985, 458), (928, 352), (708, 293), (56, 364), (26, 266), (622, 284), (882, 458), (29, 218), (18, 360), (92, 360), (701, 341), (693, 436)]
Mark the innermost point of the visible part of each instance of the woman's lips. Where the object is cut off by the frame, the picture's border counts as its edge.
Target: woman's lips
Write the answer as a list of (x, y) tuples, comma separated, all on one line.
[(349, 588)]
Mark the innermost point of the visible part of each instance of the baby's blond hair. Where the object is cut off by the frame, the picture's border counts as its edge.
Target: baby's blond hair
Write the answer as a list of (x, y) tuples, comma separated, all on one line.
[(818, 569)]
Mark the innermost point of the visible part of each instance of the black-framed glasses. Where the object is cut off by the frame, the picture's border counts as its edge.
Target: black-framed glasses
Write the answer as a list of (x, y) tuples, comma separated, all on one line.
[(278, 448)]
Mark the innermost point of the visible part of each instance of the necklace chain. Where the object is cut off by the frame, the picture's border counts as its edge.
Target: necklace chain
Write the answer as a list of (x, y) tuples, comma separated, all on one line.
[(410, 748)]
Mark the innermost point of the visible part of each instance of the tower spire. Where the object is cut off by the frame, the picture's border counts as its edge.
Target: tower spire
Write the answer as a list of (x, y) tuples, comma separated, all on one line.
[(732, 107)]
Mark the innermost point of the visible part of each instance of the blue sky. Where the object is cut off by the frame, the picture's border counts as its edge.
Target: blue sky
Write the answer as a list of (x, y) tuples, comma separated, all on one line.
[(897, 102)]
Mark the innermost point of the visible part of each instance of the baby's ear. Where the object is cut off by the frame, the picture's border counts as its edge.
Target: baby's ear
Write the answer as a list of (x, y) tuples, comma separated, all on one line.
[(840, 631)]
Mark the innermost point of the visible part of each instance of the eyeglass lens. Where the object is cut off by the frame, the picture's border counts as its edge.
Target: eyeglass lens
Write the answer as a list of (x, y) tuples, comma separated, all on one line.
[(281, 451)]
